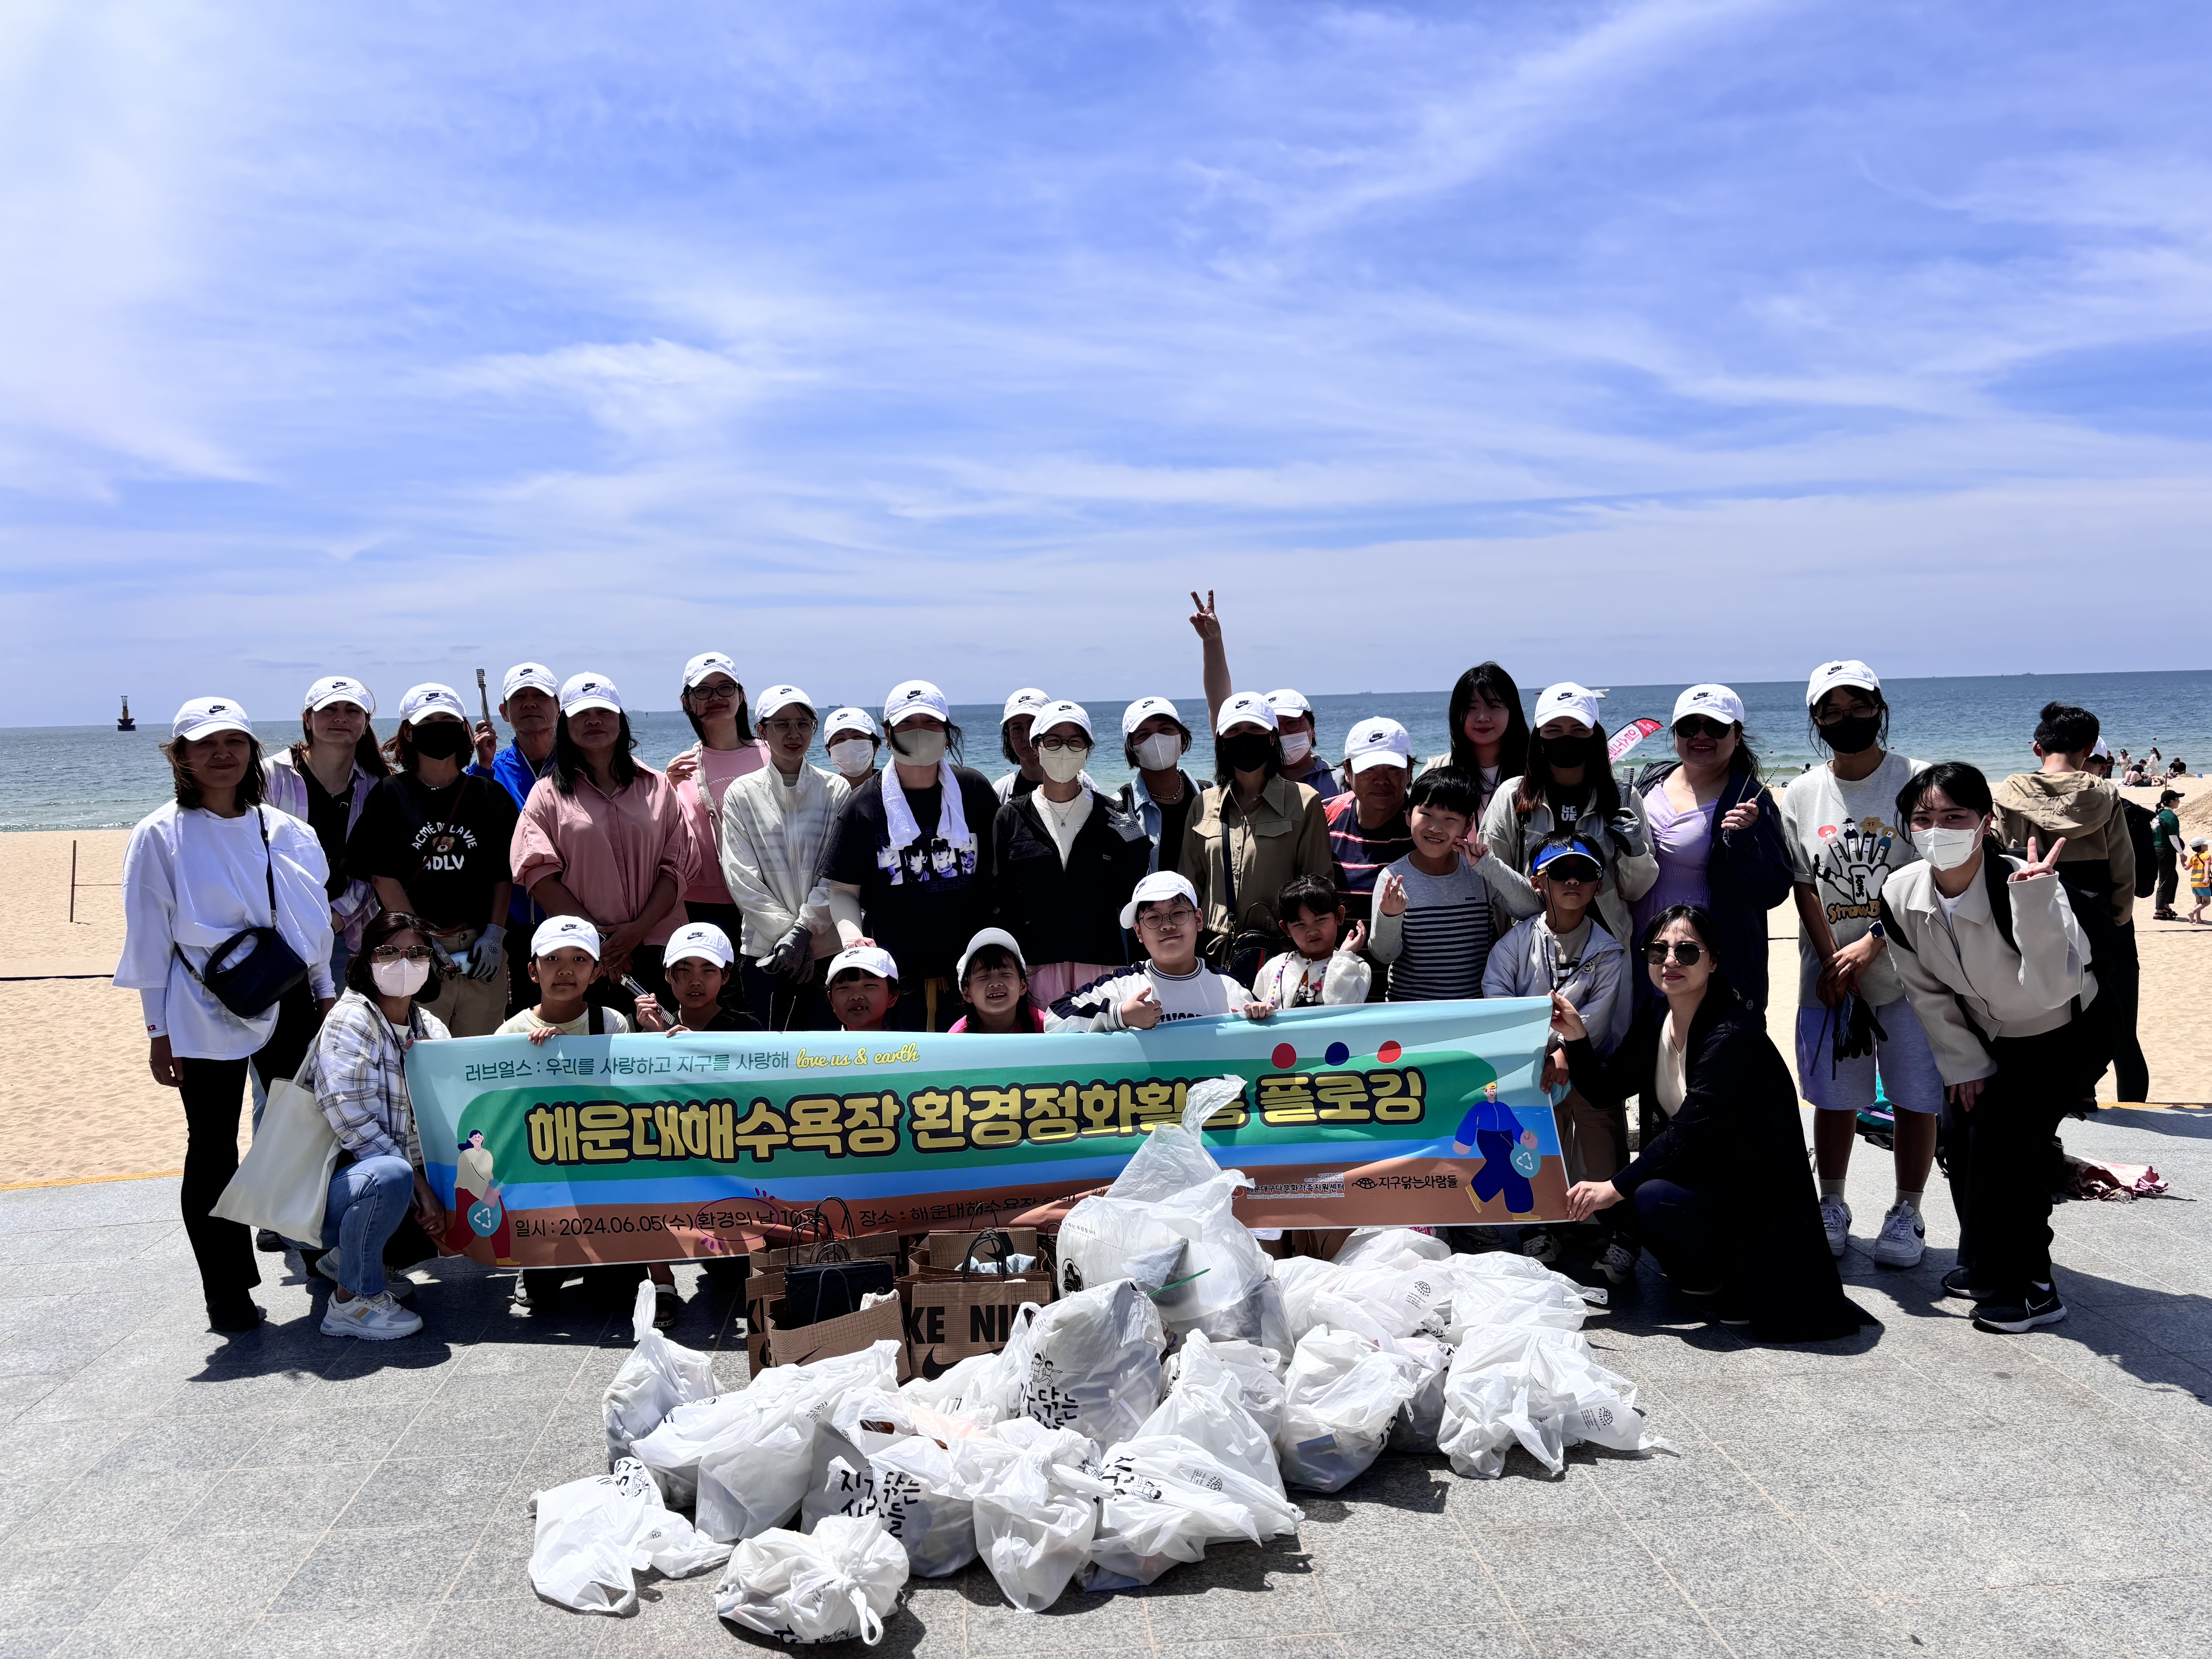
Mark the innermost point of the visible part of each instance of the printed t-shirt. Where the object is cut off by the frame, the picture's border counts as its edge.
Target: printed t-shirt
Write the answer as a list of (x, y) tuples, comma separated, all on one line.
[(1844, 840), (447, 847), (924, 902)]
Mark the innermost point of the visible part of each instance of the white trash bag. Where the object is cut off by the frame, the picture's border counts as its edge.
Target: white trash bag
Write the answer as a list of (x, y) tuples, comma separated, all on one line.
[(1341, 1395), (1257, 1373), (1258, 1318), (753, 1476), (1372, 1247), (970, 1388), (1094, 1362), (658, 1377), (884, 1454), (1211, 1416), (1542, 1388), (670, 1453), (830, 1585), (1397, 1300), (1036, 1516), (594, 1535), (1499, 1290), (1421, 1420), (1171, 1499)]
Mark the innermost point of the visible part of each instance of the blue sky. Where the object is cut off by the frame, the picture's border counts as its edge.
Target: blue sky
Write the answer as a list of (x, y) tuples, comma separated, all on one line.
[(1653, 341)]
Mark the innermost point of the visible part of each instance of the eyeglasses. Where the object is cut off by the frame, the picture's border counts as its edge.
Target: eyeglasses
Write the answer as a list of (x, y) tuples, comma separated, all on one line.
[(1855, 711), (1057, 744), (1688, 952), (717, 690), (395, 953), (1179, 916), (1694, 726), (787, 724)]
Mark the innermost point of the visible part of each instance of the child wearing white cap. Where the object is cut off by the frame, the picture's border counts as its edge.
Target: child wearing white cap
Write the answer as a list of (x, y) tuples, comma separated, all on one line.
[(697, 961), (864, 987), (1172, 985), (995, 983), (564, 961)]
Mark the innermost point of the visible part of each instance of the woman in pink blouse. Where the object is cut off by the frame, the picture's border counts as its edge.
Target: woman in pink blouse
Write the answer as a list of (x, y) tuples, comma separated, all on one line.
[(604, 838), (714, 703)]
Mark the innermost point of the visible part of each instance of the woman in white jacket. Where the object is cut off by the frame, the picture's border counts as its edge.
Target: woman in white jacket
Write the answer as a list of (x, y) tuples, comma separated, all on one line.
[(324, 781), (1998, 971), (200, 870), (775, 825)]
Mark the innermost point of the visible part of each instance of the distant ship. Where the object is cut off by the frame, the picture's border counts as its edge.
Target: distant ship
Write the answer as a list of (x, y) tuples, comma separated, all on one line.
[(125, 723)]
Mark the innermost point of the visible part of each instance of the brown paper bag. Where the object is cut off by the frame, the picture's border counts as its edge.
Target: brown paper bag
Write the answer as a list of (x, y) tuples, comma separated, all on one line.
[(949, 1320), (945, 1251), (831, 1337)]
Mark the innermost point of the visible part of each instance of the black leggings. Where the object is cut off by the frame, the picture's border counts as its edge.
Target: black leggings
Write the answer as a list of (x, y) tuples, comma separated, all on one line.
[(214, 1090), (1999, 1162)]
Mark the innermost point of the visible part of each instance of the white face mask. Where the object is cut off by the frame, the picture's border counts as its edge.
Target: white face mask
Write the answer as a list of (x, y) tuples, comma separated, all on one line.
[(1947, 849), (1159, 752), (399, 979), (1296, 746), (1062, 764), (920, 747), (854, 756)]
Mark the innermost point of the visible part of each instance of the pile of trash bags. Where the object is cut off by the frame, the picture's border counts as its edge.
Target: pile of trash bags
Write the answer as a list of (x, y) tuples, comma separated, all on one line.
[(1168, 1400)]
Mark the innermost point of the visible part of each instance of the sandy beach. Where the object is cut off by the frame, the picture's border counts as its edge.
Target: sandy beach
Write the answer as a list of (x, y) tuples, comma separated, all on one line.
[(80, 1104)]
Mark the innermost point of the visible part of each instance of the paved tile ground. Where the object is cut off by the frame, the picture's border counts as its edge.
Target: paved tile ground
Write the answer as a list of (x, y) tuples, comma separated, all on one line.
[(1925, 1490)]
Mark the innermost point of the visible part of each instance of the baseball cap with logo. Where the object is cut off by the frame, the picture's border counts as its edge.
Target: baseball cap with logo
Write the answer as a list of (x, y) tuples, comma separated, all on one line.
[(1241, 707), (1566, 700), (431, 698), (1847, 670), (706, 662), (337, 688), (1143, 709), (1289, 705), (842, 721), (1714, 702), (699, 939), (1027, 701), (589, 690), (912, 697), (202, 717), (868, 958), (1061, 712), (558, 933), (997, 936), (1553, 852), (1378, 742), (783, 696), (1157, 887), (529, 676)]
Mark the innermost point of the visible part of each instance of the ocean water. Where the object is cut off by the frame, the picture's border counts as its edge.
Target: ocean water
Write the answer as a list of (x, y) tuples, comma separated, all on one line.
[(92, 777)]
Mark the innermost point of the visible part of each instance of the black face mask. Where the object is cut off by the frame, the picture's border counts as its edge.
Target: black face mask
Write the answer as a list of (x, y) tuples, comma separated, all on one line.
[(1568, 752), (1248, 751), (1853, 735), (441, 739)]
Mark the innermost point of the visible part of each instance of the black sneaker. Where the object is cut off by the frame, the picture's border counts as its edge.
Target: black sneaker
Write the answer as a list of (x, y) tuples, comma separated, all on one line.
[(267, 1240), (2042, 1307), (1958, 1282), (235, 1318)]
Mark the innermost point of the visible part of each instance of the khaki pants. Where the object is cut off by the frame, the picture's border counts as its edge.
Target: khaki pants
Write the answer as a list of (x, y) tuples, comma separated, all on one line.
[(469, 1007), (1593, 1138)]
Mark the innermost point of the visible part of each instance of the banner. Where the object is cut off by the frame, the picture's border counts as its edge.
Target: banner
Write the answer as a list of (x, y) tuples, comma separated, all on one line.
[(645, 1148)]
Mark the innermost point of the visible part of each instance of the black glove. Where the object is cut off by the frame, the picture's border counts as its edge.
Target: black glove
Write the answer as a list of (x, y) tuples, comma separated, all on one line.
[(793, 949), (1627, 828)]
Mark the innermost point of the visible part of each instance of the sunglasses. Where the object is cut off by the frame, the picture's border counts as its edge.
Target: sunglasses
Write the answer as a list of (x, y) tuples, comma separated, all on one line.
[(1573, 871), (1688, 952), (1697, 726)]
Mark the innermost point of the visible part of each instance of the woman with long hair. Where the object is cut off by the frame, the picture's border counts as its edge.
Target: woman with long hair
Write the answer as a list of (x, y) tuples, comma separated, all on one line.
[(607, 839), (203, 870), (714, 703), (324, 780), (1252, 832), (776, 824), (1489, 732)]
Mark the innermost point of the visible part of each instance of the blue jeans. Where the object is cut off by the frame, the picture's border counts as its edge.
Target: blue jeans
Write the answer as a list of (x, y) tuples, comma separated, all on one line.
[(370, 1198)]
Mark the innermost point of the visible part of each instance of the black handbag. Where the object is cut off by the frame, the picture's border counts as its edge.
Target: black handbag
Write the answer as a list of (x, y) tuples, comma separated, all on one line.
[(832, 1286), (1241, 953), (253, 969)]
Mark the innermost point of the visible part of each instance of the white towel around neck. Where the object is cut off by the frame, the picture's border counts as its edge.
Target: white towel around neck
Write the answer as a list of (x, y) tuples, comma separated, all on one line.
[(902, 831)]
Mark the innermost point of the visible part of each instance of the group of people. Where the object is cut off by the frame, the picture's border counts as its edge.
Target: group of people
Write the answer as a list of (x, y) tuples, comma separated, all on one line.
[(1967, 950)]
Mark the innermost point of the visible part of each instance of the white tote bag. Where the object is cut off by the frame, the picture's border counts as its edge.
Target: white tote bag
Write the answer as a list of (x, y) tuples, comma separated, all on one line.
[(283, 1182)]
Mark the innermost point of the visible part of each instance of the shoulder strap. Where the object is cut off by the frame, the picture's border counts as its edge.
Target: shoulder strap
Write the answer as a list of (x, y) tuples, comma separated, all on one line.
[(1228, 872), (595, 1020), (1895, 935), (269, 856)]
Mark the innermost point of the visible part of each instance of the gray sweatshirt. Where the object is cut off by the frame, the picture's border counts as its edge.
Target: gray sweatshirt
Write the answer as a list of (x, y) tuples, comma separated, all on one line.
[(1528, 962)]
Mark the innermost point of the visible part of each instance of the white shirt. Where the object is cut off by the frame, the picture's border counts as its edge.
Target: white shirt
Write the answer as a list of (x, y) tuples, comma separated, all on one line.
[(189, 881), (1673, 1083), (1062, 820)]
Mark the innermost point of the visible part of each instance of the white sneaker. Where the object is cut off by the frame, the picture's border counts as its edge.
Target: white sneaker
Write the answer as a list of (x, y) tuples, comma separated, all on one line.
[(372, 1318), (1836, 1222), (1904, 1239), (1617, 1265)]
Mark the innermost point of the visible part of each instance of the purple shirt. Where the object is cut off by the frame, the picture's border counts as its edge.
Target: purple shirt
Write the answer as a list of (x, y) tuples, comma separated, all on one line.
[(1683, 842)]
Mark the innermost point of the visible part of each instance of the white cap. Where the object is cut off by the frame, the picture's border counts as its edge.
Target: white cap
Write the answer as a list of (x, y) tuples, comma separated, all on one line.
[(1143, 709), (1830, 675), (559, 932), (1027, 701), (589, 690), (431, 698), (1061, 712), (529, 676), (1715, 701), (2100, 752), (850, 720), (706, 662), (202, 717), (868, 958), (1160, 884), (1241, 707), (1566, 700), (910, 697), (781, 696), (997, 936), (1378, 742), (1289, 705), (336, 688), (699, 939)]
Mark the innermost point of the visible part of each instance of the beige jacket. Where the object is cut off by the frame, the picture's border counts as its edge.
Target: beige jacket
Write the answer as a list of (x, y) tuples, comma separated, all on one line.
[(1286, 834), (2008, 993), (2083, 809)]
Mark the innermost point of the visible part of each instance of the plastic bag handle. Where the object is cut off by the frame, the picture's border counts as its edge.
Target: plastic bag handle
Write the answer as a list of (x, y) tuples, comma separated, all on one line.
[(871, 1628)]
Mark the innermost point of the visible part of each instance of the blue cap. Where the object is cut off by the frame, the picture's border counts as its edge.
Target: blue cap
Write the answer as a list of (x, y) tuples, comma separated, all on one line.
[(1564, 849)]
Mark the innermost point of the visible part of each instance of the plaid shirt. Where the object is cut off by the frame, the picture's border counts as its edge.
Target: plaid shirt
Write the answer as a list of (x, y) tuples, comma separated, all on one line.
[(360, 1078)]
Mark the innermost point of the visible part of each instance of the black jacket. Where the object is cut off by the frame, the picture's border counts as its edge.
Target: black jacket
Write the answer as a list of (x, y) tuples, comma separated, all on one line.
[(1739, 1139), (1070, 912), (1748, 871)]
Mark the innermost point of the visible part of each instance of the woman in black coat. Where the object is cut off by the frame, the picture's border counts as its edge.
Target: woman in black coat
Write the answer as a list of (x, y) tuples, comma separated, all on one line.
[(1722, 1195)]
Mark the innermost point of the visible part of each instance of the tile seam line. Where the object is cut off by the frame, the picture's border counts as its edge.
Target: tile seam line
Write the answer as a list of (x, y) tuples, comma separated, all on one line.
[(1690, 1601), (1498, 1590)]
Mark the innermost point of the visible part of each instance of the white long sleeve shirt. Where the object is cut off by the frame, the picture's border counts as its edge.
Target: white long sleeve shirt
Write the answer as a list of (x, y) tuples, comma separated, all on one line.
[(189, 881), (774, 845)]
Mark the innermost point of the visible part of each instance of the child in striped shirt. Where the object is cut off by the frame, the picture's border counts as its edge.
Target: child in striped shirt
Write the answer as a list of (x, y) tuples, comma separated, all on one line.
[(1432, 922)]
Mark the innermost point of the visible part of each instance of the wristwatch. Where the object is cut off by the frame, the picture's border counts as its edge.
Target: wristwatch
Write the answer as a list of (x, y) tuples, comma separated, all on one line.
[(1878, 931)]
